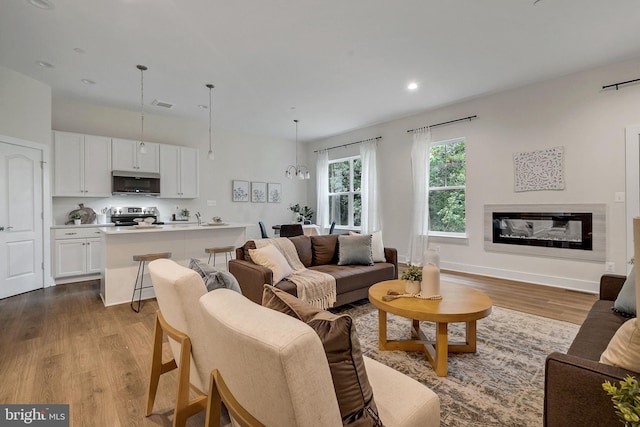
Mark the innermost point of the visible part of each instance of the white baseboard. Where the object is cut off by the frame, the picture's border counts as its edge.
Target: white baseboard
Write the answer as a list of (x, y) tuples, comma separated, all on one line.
[(539, 279)]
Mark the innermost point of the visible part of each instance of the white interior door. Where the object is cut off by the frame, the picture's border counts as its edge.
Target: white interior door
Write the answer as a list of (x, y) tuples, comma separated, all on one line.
[(21, 224), (632, 190)]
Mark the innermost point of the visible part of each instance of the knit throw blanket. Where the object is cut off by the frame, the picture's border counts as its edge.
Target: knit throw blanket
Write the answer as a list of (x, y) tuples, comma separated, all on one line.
[(314, 287)]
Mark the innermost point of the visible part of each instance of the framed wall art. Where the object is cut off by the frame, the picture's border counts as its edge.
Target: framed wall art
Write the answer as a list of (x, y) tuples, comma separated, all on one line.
[(274, 192), (240, 191), (258, 192)]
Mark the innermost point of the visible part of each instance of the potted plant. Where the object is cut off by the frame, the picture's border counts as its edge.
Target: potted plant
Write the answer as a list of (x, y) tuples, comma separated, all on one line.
[(626, 400), (301, 214), (184, 213), (77, 218), (413, 278)]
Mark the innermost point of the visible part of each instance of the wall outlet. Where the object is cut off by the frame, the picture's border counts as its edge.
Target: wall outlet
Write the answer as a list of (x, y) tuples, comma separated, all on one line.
[(610, 267), (619, 196), (177, 207)]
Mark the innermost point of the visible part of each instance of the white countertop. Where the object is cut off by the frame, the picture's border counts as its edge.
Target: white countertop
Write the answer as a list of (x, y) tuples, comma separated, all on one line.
[(169, 228)]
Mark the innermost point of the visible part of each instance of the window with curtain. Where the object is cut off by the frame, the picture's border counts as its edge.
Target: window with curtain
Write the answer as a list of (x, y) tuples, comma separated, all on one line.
[(447, 183), (345, 198)]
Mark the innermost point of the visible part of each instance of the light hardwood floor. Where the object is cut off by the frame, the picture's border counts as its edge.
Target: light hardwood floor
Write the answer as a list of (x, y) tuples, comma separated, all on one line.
[(61, 345)]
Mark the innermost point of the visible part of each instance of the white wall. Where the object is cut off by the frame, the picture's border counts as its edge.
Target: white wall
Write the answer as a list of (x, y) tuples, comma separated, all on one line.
[(573, 112), (25, 107), (239, 155)]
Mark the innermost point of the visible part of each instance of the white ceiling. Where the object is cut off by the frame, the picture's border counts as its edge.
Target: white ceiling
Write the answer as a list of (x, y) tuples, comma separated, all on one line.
[(336, 65)]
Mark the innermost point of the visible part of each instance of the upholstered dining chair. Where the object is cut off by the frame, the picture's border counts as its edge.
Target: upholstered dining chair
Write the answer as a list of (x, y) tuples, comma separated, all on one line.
[(333, 227), (291, 230), (177, 290), (263, 230), (275, 367)]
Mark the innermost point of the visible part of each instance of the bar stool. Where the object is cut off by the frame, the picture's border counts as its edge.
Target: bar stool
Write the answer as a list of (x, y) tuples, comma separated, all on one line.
[(227, 250), (143, 259)]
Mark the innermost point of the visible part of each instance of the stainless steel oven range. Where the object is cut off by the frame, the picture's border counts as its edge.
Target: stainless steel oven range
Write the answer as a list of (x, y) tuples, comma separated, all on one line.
[(124, 216)]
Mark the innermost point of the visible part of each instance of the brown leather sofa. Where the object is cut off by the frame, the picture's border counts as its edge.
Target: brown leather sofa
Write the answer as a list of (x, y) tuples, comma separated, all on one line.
[(573, 394), (316, 253)]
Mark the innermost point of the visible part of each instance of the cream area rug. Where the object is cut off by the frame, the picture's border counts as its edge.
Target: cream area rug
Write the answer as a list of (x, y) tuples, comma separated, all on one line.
[(500, 385)]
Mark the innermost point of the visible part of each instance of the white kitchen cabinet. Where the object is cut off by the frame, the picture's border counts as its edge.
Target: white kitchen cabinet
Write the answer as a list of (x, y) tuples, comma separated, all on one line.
[(77, 252), (178, 172), (82, 165), (126, 156)]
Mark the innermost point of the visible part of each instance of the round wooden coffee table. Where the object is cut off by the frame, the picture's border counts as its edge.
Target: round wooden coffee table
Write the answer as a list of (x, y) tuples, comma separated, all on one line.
[(458, 304)]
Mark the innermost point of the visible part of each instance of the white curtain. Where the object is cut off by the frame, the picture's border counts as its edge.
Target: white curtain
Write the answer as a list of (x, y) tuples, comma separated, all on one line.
[(322, 190), (370, 218), (420, 213)]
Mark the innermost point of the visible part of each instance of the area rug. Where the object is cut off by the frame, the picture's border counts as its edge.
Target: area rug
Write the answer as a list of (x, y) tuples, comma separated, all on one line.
[(502, 384)]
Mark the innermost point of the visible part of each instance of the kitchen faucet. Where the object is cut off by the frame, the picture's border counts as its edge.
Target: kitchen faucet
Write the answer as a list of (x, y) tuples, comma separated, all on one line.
[(198, 217)]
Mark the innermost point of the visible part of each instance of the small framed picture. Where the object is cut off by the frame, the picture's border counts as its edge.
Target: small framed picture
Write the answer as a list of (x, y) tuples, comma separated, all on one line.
[(274, 192), (258, 192), (240, 191)]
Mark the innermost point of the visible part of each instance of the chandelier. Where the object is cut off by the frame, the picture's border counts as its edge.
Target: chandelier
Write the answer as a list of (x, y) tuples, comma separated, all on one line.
[(300, 171)]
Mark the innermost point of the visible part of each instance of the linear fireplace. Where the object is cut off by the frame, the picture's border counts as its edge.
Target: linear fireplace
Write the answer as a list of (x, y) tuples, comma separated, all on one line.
[(568, 231)]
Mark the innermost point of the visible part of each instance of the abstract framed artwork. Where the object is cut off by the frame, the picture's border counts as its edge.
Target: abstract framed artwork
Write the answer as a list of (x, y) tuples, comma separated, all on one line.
[(258, 192), (240, 191), (274, 192), (539, 170)]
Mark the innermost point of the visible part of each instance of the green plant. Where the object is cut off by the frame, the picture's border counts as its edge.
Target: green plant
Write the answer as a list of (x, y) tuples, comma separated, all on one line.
[(626, 400), (76, 215), (413, 273), (185, 213), (305, 212)]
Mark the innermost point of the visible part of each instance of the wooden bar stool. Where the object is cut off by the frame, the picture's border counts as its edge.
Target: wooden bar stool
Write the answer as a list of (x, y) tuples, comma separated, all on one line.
[(143, 259), (227, 250)]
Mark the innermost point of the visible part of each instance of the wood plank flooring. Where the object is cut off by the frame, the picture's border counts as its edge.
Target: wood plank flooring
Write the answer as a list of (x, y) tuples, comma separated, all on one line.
[(61, 345)]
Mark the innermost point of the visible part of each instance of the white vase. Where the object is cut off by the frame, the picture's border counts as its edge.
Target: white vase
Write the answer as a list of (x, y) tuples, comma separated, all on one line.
[(411, 286), (77, 221), (430, 280)]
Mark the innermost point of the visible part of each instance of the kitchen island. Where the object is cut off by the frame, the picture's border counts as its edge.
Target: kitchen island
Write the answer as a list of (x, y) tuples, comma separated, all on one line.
[(184, 241)]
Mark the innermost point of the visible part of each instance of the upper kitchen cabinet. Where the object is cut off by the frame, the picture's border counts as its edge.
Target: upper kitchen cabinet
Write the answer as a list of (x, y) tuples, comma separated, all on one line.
[(127, 156), (178, 172), (82, 165)]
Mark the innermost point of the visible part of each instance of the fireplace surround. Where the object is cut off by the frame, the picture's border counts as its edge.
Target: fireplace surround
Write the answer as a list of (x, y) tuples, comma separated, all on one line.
[(573, 231)]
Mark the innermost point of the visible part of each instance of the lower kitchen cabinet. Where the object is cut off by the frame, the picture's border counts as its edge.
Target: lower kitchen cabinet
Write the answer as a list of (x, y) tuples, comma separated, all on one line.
[(77, 252)]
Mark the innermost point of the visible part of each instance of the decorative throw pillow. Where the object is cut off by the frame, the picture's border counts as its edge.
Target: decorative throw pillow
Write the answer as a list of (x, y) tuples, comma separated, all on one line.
[(214, 278), (270, 257), (624, 347), (342, 347), (324, 249), (354, 250), (625, 304), (377, 246)]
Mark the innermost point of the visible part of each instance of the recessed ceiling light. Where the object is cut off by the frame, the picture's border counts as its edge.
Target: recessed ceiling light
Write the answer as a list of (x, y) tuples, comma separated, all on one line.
[(412, 86), (203, 107), (88, 82), (79, 50), (45, 64), (41, 4)]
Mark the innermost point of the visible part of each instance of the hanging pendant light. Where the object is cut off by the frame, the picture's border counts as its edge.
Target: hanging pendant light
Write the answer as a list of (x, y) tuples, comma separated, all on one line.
[(297, 168), (141, 147), (210, 154)]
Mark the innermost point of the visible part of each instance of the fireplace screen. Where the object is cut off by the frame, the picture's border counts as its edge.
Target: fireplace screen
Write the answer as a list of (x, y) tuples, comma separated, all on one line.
[(556, 230)]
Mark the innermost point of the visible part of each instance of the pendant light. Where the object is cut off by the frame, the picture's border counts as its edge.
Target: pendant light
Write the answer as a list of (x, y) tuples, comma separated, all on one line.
[(210, 154), (142, 148), (297, 169)]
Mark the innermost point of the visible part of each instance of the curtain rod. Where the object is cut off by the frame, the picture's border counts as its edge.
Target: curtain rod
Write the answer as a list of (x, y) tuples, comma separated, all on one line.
[(620, 84), (444, 123), (351, 143)]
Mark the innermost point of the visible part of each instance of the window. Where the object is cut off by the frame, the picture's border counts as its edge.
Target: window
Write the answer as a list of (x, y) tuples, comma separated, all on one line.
[(447, 187), (345, 202)]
